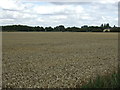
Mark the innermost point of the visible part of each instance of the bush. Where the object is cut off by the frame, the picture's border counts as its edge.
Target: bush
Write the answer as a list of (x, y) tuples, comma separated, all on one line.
[(109, 81)]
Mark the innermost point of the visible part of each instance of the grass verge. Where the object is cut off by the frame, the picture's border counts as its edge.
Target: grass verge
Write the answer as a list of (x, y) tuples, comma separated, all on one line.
[(109, 81)]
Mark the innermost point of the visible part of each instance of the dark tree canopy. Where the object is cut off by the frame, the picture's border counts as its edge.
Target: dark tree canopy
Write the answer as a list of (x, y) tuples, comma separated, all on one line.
[(60, 28)]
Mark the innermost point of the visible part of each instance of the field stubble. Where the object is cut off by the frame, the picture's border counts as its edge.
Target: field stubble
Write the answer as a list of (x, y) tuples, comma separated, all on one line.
[(56, 59)]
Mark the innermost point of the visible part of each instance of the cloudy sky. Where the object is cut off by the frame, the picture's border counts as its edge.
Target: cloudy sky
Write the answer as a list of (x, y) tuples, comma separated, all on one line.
[(53, 13)]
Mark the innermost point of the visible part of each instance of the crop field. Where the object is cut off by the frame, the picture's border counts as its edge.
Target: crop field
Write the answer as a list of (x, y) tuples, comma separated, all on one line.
[(56, 59)]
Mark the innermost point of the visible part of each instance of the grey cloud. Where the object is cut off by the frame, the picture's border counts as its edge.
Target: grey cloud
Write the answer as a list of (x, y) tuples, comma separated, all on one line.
[(9, 9), (70, 3)]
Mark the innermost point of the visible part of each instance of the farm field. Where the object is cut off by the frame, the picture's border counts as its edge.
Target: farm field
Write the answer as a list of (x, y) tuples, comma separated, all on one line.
[(56, 59)]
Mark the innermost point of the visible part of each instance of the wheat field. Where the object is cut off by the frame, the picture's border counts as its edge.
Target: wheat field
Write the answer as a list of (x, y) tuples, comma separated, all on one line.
[(56, 59)]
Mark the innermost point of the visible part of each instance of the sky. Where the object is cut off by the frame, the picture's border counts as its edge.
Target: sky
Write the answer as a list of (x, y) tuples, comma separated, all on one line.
[(53, 13)]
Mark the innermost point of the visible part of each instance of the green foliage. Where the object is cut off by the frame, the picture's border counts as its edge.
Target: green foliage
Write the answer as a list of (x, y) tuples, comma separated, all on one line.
[(60, 28), (109, 81), (48, 29)]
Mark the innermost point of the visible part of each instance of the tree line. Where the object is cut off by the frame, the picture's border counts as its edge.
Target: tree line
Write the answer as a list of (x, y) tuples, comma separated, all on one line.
[(60, 28)]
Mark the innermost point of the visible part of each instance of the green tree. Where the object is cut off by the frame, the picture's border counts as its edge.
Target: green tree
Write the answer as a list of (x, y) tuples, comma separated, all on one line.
[(48, 29)]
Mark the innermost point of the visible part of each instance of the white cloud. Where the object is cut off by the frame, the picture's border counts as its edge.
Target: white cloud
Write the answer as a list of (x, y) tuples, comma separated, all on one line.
[(46, 14), (40, 20), (58, 17), (75, 0), (48, 9), (57, 9), (86, 17), (7, 4), (108, 1), (11, 4), (79, 9)]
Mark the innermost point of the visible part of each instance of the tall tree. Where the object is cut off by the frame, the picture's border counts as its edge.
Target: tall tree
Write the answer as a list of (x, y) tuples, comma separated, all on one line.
[(48, 29)]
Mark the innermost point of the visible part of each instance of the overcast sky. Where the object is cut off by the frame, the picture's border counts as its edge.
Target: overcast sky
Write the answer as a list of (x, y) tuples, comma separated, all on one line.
[(39, 13)]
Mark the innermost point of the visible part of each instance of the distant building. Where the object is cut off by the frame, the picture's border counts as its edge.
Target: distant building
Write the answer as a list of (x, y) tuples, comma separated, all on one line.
[(106, 30)]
